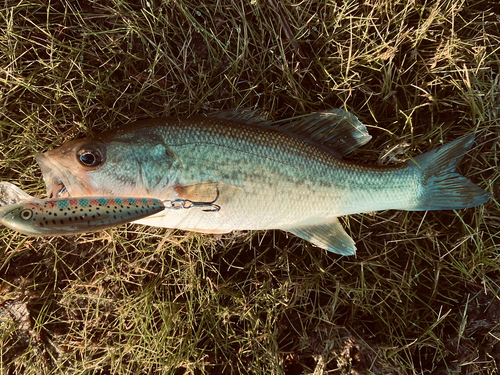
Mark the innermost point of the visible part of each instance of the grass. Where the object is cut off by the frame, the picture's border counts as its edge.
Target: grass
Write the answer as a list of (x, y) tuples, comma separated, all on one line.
[(420, 297)]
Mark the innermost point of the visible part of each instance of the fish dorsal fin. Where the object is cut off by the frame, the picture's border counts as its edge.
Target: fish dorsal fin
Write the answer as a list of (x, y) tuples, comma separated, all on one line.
[(330, 236), (336, 129), (245, 115)]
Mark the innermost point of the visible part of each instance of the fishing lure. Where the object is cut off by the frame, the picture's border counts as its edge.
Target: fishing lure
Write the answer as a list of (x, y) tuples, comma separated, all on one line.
[(66, 216)]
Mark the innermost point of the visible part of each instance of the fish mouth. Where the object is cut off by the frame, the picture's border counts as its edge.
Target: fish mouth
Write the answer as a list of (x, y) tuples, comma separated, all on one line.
[(56, 182)]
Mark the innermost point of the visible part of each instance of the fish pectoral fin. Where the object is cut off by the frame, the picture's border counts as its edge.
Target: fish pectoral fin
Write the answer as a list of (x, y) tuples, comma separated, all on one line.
[(207, 192), (330, 236)]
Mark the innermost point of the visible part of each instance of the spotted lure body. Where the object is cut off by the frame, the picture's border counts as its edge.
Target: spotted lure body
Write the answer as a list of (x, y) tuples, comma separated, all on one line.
[(66, 216)]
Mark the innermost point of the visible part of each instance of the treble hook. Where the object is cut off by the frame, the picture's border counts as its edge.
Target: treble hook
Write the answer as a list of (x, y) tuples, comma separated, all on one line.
[(177, 204)]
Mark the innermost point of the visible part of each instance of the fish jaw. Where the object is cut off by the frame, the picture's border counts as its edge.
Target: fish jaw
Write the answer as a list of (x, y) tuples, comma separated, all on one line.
[(60, 170)]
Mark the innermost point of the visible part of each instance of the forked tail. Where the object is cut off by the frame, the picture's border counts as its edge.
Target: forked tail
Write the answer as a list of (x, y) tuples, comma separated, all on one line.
[(442, 187)]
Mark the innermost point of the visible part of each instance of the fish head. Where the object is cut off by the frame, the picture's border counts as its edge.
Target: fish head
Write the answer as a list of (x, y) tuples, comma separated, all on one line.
[(67, 170), (125, 166)]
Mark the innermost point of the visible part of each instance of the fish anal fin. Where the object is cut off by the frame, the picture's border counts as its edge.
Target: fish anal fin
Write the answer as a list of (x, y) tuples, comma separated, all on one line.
[(330, 236), (335, 129)]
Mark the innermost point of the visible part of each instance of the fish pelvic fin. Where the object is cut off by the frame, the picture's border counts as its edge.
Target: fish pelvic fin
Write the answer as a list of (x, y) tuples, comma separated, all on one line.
[(442, 188), (329, 236)]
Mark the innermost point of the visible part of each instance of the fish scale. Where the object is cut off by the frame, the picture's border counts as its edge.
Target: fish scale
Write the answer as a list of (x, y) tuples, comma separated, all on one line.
[(64, 216)]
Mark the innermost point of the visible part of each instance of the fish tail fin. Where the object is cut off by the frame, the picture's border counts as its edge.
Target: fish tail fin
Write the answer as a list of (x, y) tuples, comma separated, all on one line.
[(442, 187)]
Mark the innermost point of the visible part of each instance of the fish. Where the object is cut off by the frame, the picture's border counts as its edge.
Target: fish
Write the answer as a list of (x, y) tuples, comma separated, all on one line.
[(288, 176), (71, 215)]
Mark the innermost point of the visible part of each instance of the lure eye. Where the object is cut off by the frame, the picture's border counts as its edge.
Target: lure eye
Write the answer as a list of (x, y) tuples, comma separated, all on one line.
[(26, 214), (90, 157)]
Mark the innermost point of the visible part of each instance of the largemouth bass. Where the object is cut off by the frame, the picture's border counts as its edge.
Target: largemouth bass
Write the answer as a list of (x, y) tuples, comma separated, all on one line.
[(260, 176), (65, 216)]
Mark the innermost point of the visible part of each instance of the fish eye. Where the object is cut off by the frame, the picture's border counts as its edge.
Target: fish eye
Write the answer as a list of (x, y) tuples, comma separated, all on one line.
[(26, 214), (90, 157)]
